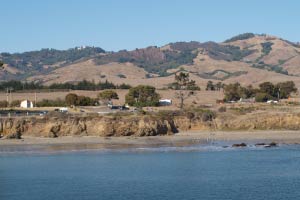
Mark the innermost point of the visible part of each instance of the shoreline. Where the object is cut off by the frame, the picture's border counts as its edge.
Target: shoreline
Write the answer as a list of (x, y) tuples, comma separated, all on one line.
[(183, 139)]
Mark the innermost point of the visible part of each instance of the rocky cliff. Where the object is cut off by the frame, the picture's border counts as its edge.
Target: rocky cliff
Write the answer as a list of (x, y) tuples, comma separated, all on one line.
[(93, 126), (141, 125)]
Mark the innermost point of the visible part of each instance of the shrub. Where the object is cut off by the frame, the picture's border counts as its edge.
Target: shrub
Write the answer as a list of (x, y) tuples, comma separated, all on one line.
[(208, 116), (3, 104), (124, 86), (108, 95), (168, 114), (222, 109), (262, 97), (121, 76), (15, 103), (243, 110), (203, 114), (85, 101), (51, 103)]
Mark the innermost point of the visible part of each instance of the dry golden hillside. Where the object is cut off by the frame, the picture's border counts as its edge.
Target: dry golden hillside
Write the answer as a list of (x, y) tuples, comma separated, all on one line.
[(246, 58)]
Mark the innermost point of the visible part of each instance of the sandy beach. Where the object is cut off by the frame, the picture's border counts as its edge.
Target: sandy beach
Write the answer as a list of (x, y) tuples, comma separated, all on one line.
[(178, 140)]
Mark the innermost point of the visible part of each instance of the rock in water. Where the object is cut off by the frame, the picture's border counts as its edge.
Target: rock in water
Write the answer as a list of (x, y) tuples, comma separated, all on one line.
[(239, 145)]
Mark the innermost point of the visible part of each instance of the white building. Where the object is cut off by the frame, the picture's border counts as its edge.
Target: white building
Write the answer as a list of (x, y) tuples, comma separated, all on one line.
[(26, 104)]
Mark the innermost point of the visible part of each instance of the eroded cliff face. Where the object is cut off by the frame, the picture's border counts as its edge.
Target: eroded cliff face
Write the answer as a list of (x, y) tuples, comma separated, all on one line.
[(144, 125), (93, 126), (260, 121)]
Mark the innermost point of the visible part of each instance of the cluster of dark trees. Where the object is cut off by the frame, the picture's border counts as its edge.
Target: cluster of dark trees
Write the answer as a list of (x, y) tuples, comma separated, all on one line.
[(266, 91), (6, 104), (88, 85), (142, 96), (243, 36), (214, 86), (18, 85), (75, 100), (266, 47), (82, 85)]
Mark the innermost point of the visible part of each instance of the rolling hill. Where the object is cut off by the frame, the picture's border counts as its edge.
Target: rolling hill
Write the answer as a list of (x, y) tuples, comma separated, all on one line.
[(247, 58)]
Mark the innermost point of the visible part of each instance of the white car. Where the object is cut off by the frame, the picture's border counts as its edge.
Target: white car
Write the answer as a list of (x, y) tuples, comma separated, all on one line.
[(272, 101)]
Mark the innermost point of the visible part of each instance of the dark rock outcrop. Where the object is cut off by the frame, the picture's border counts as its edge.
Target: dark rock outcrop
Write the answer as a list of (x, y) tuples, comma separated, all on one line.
[(240, 145)]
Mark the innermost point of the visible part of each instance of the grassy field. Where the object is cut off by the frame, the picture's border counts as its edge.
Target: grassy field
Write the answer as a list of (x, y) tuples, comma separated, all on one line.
[(201, 97)]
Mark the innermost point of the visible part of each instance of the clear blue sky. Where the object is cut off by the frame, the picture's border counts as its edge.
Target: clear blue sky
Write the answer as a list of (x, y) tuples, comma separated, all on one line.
[(128, 24)]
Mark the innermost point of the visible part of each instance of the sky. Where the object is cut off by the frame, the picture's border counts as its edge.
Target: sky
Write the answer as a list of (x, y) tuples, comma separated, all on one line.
[(128, 24)]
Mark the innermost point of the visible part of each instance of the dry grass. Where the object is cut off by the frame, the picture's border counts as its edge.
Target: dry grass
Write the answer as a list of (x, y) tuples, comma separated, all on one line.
[(201, 97), (202, 64)]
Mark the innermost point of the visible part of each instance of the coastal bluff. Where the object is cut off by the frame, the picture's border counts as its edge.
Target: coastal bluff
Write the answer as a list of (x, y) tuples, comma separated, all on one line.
[(11, 128), (142, 125)]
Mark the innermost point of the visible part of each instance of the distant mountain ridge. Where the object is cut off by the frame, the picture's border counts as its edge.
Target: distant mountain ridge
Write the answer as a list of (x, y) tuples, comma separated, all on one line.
[(234, 59)]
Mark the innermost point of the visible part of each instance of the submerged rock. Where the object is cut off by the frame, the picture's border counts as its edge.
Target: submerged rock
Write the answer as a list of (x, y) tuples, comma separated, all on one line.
[(260, 144), (272, 144), (240, 145)]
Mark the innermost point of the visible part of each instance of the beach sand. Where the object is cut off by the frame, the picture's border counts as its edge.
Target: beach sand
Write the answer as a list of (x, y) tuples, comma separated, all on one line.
[(178, 140)]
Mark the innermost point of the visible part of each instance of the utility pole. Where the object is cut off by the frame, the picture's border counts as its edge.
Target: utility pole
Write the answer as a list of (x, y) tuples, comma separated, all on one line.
[(7, 95), (10, 95), (35, 98)]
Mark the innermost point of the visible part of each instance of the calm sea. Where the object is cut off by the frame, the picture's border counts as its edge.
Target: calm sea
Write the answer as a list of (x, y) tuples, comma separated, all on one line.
[(159, 173)]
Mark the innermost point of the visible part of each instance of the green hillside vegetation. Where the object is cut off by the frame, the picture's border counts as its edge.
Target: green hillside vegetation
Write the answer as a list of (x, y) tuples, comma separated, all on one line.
[(185, 46), (243, 36), (275, 68), (155, 60), (152, 59), (35, 60), (225, 52), (212, 75), (266, 47)]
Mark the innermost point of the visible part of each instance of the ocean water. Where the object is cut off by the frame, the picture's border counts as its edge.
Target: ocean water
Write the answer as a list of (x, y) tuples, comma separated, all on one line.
[(152, 173)]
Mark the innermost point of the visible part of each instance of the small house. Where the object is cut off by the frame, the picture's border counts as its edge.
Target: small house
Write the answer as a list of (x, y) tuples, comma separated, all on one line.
[(26, 104)]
